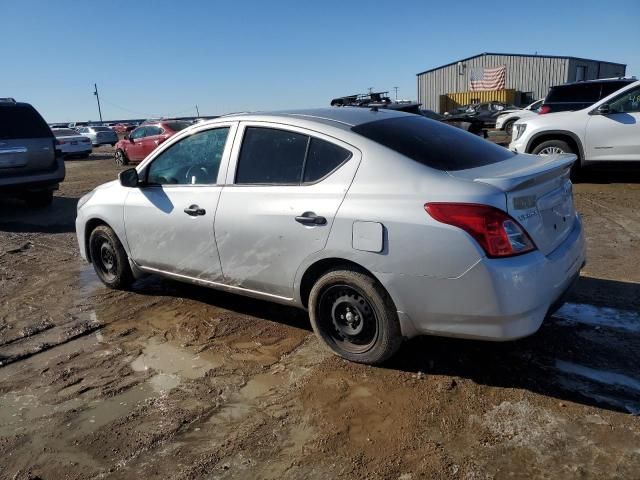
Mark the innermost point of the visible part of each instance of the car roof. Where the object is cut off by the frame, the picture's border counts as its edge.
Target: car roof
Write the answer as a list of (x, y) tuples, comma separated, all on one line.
[(597, 80), (342, 117)]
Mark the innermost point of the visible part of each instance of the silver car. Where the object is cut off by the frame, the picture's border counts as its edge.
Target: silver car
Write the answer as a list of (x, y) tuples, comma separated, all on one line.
[(383, 225), (99, 135)]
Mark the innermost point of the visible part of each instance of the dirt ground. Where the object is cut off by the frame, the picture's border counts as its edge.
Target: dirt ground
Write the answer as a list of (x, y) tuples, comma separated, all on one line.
[(174, 381)]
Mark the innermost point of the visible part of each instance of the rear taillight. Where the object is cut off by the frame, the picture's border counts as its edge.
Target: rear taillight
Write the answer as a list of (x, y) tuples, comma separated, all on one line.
[(498, 234), (59, 142), (544, 109)]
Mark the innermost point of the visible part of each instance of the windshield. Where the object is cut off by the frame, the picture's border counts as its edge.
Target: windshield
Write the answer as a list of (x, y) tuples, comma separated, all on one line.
[(432, 143)]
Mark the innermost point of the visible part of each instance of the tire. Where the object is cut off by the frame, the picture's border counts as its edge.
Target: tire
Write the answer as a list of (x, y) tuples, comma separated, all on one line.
[(121, 158), (559, 146), (113, 144), (109, 259), (85, 155), (354, 316), (508, 127), (42, 198)]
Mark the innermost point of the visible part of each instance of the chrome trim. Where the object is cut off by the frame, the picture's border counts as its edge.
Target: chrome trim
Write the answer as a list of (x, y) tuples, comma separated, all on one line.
[(4, 151)]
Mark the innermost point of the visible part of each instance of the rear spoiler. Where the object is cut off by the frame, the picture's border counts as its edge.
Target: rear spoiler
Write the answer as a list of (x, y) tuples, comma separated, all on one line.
[(548, 167)]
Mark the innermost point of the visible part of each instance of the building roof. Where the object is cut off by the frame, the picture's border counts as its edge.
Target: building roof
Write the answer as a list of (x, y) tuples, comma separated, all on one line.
[(519, 55)]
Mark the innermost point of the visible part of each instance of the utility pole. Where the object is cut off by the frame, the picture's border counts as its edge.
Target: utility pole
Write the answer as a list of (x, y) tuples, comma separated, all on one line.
[(95, 85), (396, 89), (370, 90), (197, 111)]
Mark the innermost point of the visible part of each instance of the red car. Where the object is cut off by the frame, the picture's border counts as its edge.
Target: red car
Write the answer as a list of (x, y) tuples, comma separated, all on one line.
[(144, 139)]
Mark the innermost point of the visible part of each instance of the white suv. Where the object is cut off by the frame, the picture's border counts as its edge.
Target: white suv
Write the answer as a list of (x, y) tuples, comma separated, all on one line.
[(608, 130)]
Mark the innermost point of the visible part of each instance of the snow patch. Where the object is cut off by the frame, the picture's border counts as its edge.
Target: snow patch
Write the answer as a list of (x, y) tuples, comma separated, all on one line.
[(599, 317)]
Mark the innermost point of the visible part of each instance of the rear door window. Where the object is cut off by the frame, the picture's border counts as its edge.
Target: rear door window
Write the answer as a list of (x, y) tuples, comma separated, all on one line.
[(433, 144), (22, 121), (271, 156)]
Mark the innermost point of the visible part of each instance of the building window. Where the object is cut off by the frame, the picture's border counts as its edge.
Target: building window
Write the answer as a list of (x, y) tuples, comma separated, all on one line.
[(581, 73)]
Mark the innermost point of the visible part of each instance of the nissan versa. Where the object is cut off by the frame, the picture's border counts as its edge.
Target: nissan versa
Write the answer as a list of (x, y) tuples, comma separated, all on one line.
[(384, 225)]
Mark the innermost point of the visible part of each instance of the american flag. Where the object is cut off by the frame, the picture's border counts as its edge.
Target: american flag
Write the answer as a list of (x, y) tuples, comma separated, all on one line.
[(487, 78)]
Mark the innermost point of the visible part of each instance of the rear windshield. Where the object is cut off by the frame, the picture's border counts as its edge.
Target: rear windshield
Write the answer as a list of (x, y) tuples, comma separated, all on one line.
[(101, 129), (22, 121), (64, 132), (432, 143), (177, 126), (583, 92)]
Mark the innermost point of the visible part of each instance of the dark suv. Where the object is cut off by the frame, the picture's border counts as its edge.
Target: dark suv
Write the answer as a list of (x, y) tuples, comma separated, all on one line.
[(30, 166), (579, 95)]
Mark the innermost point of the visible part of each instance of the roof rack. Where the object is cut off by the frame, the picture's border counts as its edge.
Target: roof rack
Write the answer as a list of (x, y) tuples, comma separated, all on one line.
[(361, 99)]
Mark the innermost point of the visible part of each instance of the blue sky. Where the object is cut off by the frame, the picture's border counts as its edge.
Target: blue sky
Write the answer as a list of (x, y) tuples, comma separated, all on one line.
[(163, 57)]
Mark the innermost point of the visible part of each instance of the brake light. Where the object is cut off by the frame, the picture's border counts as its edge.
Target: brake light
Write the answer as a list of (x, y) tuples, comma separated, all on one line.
[(59, 142), (498, 234), (544, 109)]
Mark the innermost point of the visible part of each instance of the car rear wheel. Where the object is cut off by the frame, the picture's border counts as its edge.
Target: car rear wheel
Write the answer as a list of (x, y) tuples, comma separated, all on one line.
[(109, 258), (42, 198), (121, 158), (354, 316), (555, 147)]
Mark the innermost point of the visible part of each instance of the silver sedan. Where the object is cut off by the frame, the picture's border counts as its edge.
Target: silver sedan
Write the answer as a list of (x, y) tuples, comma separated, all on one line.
[(99, 135), (383, 225)]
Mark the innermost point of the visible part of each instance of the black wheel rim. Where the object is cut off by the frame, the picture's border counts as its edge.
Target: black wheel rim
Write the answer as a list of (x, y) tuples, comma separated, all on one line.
[(105, 259), (347, 318)]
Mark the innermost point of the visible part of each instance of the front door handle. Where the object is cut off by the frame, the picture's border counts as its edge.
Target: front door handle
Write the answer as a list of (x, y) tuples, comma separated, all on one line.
[(310, 218), (195, 210)]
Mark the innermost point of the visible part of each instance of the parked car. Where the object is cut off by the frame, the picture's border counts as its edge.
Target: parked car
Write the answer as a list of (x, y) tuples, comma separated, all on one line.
[(99, 135), (123, 127), (144, 139), (383, 224), (505, 121), (76, 125), (607, 131), (71, 143), (485, 112), (579, 95), (30, 166)]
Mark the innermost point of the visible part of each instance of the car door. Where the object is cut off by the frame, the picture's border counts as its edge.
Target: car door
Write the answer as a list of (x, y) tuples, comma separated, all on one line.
[(615, 136), (134, 147), (283, 190), (151, 139), (169, 218)]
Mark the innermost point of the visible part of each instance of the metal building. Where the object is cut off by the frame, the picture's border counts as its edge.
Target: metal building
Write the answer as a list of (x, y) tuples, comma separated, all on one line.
[(530, 76)]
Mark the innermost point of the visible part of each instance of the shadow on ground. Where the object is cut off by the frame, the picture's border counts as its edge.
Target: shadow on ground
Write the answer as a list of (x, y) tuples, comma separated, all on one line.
[(584, 353), (59, 217)]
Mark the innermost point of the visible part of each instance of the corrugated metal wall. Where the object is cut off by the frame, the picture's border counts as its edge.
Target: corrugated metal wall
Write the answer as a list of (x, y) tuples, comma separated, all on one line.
[(524, 74), (595, 69)]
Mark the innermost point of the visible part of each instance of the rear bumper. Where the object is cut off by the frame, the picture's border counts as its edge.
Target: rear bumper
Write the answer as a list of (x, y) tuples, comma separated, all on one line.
[(33, 181), (496, 299)]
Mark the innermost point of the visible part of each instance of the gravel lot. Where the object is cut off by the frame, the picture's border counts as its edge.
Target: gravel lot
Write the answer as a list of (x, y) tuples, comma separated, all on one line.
[(174, 381)]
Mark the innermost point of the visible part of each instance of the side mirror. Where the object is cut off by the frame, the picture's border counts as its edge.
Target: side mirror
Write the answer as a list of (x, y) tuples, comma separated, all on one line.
[(129, 178), (604, 109)]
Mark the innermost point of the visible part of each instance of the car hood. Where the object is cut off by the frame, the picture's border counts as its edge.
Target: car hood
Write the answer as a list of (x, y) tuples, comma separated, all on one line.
[(557, 118)]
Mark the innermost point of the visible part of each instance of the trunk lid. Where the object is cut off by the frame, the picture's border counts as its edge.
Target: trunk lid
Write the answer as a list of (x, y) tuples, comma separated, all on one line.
[(538, 193)]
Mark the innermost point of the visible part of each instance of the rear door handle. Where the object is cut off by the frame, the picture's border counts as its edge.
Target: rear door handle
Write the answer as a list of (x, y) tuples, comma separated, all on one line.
[(195, 210), (310, 218)]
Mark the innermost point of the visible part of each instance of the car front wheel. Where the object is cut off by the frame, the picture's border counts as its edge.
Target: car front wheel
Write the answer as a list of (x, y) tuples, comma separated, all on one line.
[(109, 258), (556, 147), (508, 127), (354, 316), (121, 158)]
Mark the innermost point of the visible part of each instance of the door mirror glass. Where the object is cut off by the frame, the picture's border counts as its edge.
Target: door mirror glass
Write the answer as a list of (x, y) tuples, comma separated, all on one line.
[(604, 109), (129, 178)]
